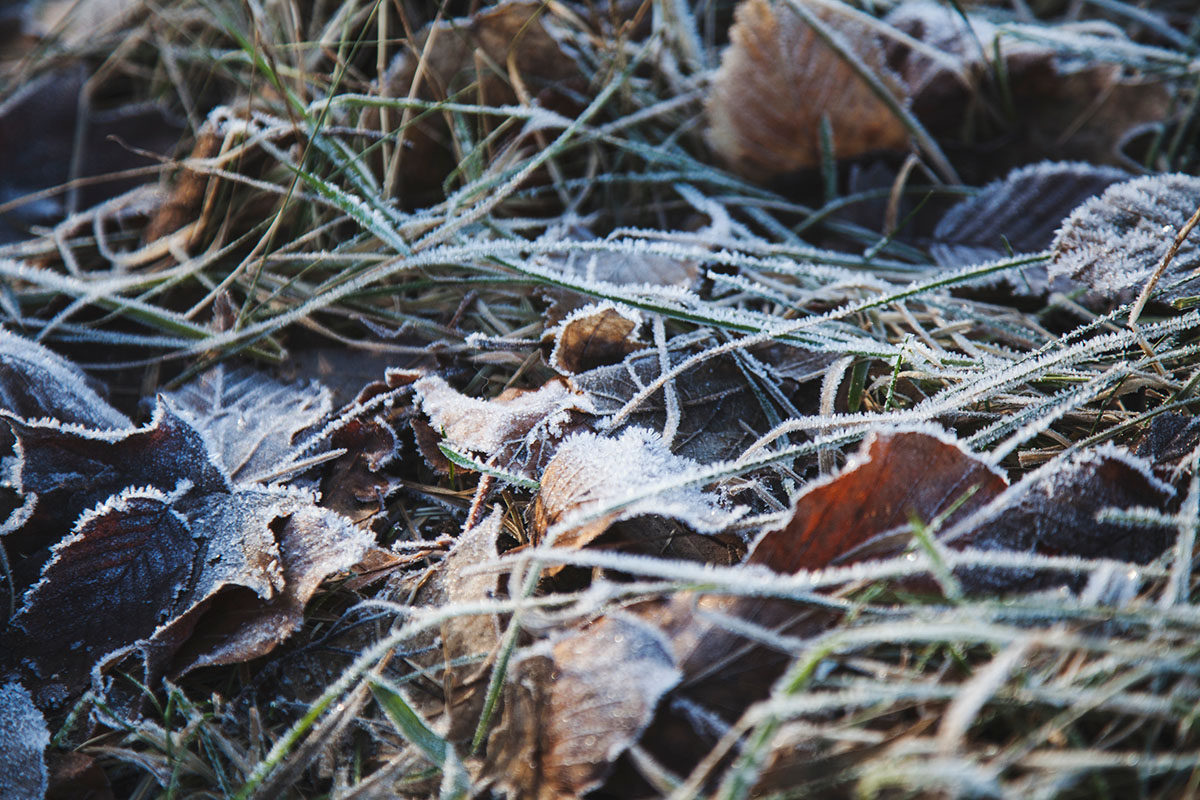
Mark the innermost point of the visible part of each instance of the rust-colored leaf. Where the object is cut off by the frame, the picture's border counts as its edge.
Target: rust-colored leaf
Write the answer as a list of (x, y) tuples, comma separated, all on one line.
[(778, 79), (895, 477)]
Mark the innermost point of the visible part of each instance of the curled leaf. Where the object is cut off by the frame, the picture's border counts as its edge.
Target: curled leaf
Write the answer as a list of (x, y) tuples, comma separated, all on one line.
[(594, 336), (516, 431)]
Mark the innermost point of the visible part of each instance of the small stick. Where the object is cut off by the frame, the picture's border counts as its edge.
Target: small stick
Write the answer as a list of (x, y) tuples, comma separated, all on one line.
[(1160, 269), (1144, 296)]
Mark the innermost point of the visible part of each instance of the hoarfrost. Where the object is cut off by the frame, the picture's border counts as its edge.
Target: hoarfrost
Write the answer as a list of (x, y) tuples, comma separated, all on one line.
[(1021, 211), (252, 423), (35, 383), (1113, 242), (516, 431), (23, 741), (593, 482), (1055, 510)]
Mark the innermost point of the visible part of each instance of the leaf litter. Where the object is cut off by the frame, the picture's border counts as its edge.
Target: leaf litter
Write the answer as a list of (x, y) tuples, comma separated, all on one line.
[(652, 478)]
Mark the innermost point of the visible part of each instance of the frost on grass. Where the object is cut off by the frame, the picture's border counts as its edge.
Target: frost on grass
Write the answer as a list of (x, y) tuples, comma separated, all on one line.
[(1020, 213), (573, 706), (37, 383), (779, 79), (465, 577), (594, 482), (517, 431), (253, 424), (1113, 242), (1055, 510), (23, 741)]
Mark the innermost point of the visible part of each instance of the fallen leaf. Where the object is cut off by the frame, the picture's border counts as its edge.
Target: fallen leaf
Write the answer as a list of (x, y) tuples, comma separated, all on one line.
[(778, 79), (594, 336), (1113, 242), (573, 706), (254, 426), (77, 776), (139, 534), (719, 414), (897, 475), (23, 741), (1019, 213), (593, 482), (463, 578), (1055, 107), (355, 485), (35, 382), (516, 431), (1054, 510)]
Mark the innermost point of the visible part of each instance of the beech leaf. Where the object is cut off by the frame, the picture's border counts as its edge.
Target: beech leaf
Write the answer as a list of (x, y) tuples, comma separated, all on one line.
[(778, 80), (572, 707)]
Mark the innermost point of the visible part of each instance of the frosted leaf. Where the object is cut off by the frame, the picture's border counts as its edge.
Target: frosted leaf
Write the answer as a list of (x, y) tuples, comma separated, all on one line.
[(1054, 511), (23, 741), (517, 431), (35, 383), (115, 579), (355, 485), (778, 79), (463, 577), (1021, 212), (64, 470), (896, 475), (573, 707), (593, 482), (253, 424), (1113, 242), (233, 626), (596, 335), (719, 413), (1065, 108)]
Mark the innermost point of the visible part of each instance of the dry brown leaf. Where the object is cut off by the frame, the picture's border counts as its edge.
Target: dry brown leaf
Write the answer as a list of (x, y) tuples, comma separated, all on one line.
[(778, 79), (572, 707), (594, 336), (1063, 108), (517, 431), (503, 55), (601, 481)]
